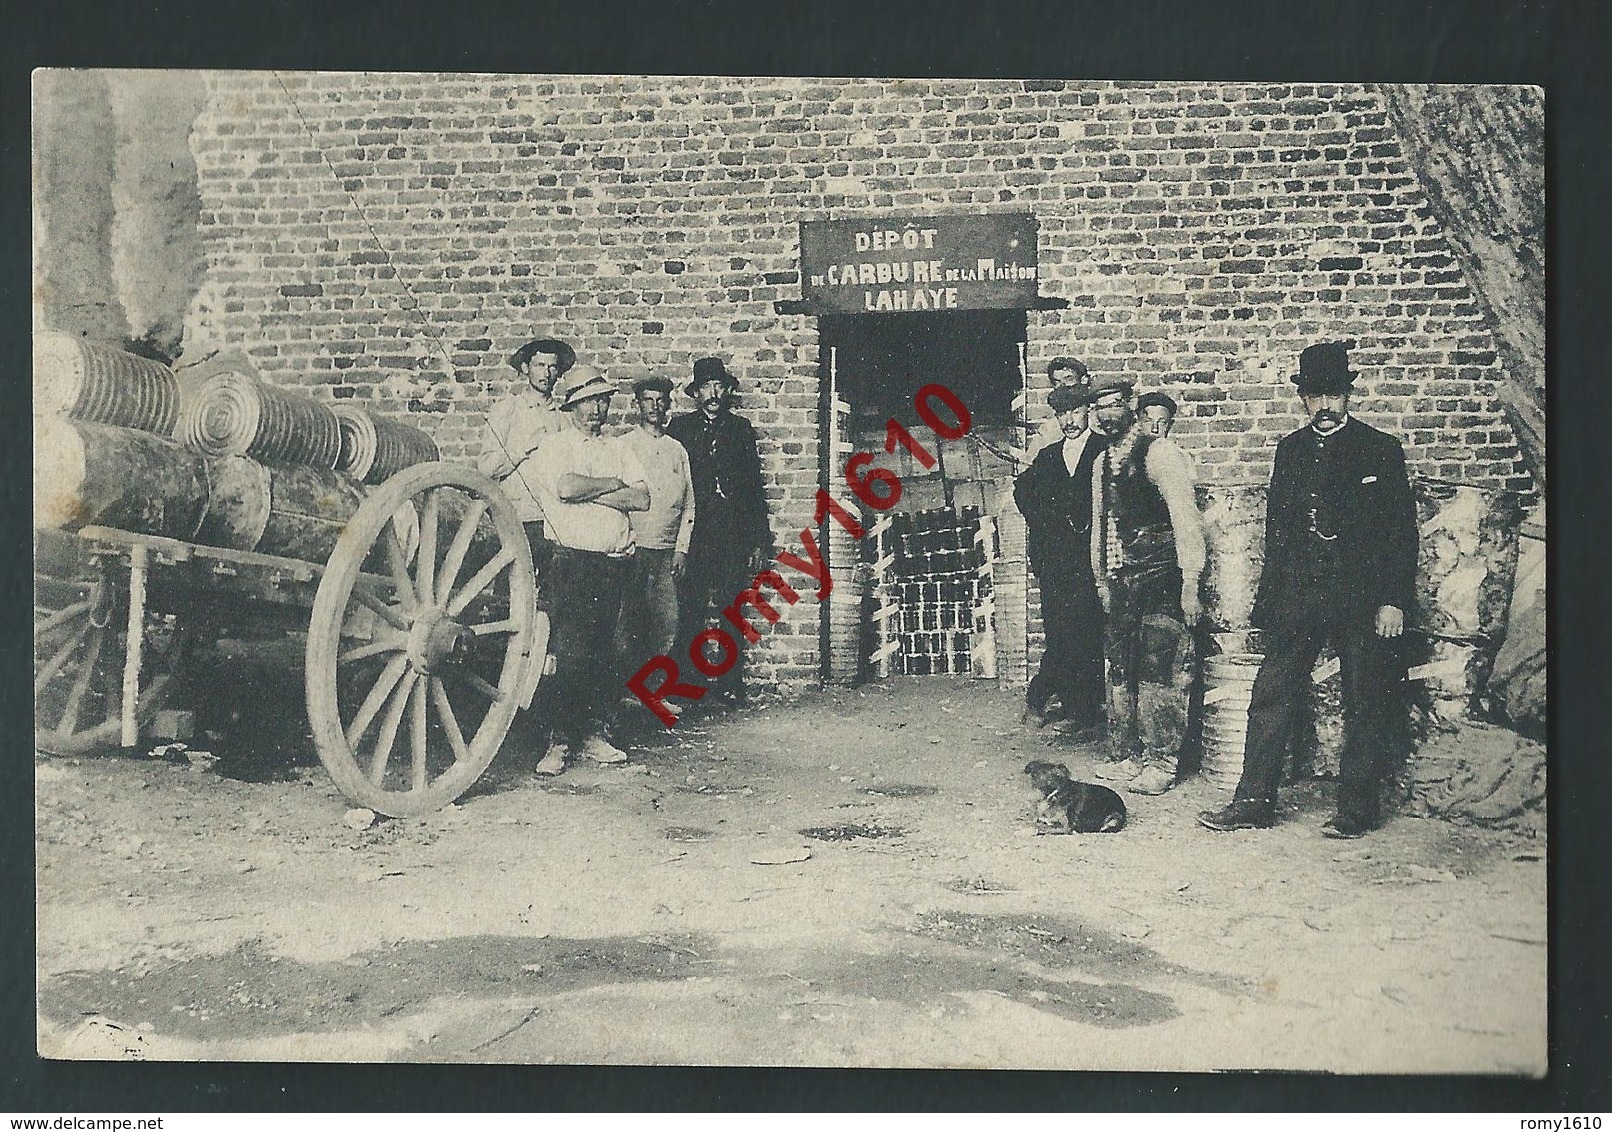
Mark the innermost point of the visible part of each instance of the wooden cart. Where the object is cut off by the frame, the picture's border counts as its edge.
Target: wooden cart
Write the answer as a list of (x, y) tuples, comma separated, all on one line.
[(422, 620)]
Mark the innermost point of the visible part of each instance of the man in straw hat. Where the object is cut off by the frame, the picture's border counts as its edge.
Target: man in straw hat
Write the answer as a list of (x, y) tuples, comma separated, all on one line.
[(587, 484), (1340, 567), (1148, 554), (731, 534)]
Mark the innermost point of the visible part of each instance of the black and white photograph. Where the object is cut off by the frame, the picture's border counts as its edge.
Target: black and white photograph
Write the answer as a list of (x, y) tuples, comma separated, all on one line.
[(696, 570)]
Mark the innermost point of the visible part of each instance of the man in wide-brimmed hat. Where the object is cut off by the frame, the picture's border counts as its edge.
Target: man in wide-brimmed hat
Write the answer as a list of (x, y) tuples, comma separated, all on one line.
[(1148, 554), (587, 484), (518, 423), (1340, 568), (1054, 494), (731, 533)]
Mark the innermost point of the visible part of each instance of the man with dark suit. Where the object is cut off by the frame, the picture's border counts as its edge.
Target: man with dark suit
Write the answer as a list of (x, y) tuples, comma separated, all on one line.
[(1340, 567), (731, 534), (1054, 494)]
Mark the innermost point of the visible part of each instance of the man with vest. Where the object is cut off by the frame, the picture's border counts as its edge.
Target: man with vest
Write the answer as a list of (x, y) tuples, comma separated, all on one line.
[(1340, 568), (1054, 494), (1148, 554)]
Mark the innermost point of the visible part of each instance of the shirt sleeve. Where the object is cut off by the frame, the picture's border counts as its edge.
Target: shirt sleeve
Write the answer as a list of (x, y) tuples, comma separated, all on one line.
[(1167, 467), (495, 459), (685, 529)]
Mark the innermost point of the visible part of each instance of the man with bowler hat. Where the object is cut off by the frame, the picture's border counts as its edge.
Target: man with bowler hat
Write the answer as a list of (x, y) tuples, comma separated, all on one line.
[(1340, 568), (731, 533), (1054, 494), (515, 427)]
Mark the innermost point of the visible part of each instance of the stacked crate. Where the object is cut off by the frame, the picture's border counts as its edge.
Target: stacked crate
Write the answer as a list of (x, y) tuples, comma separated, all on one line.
[(934, 577)]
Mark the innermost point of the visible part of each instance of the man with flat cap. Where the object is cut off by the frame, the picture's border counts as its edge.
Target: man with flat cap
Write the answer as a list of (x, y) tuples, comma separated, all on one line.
[(1062, 372), (515, 427), (1148, 553), (1340, 568), (1054, 494), (663, 533), (587, 484), (731, 533)]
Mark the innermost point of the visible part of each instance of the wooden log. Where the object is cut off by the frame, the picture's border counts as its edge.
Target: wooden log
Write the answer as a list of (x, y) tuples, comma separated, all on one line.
[(96, 382), (233, 414), (286, 510), (374, 449), (87, 473), (103, 475)]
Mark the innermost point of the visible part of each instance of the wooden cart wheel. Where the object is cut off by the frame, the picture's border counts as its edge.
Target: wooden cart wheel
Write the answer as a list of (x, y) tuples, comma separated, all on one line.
[(431, 633), (80, 632)]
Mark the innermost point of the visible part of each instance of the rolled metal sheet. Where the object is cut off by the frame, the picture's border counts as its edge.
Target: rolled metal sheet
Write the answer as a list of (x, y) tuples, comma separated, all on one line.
[(87, 473), (99, 383), (235, 415), (373, 448)]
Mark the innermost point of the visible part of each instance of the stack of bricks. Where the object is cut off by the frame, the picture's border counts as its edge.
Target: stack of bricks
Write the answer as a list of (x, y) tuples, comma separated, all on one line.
[(391, 238)]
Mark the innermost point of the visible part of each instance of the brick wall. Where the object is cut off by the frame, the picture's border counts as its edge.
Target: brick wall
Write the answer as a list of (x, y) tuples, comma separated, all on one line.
[(390, 238)]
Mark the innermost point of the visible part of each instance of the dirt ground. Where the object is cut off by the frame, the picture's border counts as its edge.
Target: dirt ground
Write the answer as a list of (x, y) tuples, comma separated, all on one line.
[(852, 878)]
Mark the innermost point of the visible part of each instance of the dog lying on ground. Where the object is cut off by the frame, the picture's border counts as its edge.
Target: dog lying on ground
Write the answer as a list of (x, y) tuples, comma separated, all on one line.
[(1068, 806)]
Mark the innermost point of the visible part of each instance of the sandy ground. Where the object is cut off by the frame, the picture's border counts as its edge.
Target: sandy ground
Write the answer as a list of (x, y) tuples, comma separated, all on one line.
[(849, 879)]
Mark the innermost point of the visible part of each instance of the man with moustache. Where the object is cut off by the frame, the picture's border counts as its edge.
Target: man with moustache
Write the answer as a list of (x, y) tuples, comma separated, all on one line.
[(1148, 554), (587, 484), (662, 534), (1054, 494), (731, 535), (1340, 568), (517, 425), (1061, 372)]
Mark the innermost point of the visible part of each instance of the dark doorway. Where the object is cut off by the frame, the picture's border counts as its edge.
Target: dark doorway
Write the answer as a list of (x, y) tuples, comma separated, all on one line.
[(926, 607), (883, 359)]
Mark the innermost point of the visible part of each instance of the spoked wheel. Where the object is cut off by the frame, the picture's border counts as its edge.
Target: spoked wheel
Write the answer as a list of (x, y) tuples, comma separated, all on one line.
[(81, 629), (425, 621)]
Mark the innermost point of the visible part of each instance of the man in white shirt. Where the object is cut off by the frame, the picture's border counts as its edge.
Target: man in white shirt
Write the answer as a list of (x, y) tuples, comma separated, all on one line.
[(586, 484), (648, 622), (515, 427)]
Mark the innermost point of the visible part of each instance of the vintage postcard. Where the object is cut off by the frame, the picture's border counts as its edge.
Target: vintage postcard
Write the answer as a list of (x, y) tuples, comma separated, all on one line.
[(743, 571)]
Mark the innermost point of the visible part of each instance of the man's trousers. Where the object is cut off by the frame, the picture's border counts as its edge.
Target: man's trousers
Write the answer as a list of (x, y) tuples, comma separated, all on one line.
[(713, 576), (1072, 664), (1373, 706), (1152, 667), (578, 699), (648, 623)]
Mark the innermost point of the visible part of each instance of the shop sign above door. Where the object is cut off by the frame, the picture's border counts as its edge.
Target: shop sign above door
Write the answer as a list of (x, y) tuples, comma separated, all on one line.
[(919, 263)]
